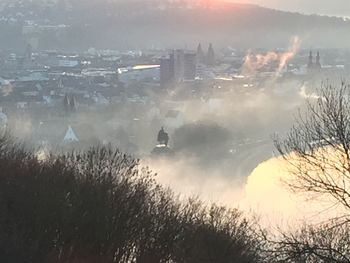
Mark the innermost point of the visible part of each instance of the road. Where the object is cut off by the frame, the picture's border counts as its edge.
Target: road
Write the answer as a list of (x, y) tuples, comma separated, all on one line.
[(246, 157)]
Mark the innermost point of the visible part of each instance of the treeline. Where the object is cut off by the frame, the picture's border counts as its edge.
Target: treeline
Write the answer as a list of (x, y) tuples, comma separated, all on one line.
[(101, 206)]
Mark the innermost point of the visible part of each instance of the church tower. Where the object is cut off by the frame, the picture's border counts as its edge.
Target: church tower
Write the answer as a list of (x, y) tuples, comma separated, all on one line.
[(310, 64), (200, 55), (318, 62), (211, 56)]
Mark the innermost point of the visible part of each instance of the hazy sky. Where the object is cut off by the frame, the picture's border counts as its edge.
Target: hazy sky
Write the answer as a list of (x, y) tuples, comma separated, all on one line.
[(327, 7)]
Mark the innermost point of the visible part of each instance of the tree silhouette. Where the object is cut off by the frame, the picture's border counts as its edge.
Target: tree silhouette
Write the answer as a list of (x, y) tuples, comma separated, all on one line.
[(317, 150), (101, 206)]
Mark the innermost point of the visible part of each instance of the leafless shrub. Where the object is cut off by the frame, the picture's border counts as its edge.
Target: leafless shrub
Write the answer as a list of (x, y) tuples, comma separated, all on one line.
[(317, 150), (101, 206)]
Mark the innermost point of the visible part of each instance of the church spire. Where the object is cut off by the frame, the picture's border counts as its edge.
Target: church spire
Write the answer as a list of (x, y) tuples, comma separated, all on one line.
[(311, 60), (318, 61), (200, 54), (211, 56)]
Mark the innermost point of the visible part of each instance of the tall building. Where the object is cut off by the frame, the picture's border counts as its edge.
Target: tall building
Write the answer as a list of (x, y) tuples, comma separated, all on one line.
[(190, 60), (29, 52), (211, 56), (176, 67), (179, 64), (167, 71)]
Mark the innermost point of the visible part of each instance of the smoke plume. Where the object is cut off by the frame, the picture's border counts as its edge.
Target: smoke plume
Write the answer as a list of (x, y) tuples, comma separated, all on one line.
[(253, 63)]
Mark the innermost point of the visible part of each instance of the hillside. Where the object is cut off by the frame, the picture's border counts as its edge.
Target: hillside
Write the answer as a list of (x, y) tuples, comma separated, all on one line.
[(154, 23)]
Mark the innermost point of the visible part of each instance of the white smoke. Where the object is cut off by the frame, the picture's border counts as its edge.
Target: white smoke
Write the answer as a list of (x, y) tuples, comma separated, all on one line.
[(304, 94), (255, 62)]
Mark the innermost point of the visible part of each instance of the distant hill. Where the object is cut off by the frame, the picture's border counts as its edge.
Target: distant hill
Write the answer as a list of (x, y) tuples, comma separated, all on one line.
[(159, 23)]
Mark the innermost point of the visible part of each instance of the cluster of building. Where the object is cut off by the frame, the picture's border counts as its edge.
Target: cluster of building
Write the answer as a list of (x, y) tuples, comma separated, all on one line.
[(181, 65), (52, 87), (43, 79)]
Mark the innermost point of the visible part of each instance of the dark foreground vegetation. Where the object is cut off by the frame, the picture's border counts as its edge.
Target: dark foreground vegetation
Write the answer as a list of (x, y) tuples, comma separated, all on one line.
[(101, 206)]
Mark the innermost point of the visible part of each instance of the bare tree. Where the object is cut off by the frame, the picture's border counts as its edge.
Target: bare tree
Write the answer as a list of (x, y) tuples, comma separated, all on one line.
[(101, 206), (309, 244), (317, 150), (217, 234)]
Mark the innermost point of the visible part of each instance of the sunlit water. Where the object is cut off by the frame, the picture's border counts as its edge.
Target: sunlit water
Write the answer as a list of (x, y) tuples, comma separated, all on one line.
[(264, 193)]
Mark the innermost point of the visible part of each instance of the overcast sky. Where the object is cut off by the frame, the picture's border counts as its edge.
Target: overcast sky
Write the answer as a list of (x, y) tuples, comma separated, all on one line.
[(327, 7)]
